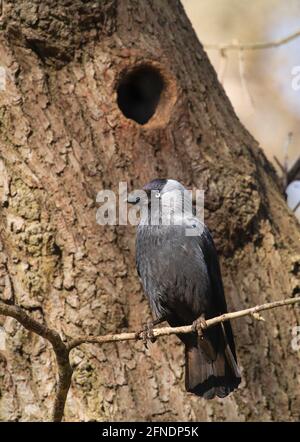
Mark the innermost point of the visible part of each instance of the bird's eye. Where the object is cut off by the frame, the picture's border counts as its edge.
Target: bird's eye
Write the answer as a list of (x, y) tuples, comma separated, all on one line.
[(157, 195), (138, 199)]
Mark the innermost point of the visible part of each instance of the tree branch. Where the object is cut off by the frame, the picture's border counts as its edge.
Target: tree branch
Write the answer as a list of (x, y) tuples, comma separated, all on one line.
[(164, 331), (62, 350), (253, 46)]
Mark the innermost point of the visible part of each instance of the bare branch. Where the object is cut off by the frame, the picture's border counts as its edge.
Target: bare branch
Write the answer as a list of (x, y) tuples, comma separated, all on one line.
[(288, 174), (244, 85), (164, 331), (296, 207), (222, 67), (60, 349), (279, 164), (253, 46), (293, 173)]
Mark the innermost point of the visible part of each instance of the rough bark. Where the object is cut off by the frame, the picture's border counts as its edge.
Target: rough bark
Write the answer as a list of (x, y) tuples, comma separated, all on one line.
[(62, 139)]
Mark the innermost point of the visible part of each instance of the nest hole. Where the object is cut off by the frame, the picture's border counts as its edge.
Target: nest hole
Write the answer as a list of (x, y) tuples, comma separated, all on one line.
[(139, 93)]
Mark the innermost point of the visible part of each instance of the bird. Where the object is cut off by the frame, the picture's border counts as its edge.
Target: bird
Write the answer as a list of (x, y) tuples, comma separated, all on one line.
[(178, 266)]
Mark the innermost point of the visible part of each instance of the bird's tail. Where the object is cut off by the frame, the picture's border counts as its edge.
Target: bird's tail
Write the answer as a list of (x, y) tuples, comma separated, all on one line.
[(211, 373)]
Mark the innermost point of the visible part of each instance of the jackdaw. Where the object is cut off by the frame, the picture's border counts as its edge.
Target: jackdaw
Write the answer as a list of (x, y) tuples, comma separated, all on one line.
[(179, 269)]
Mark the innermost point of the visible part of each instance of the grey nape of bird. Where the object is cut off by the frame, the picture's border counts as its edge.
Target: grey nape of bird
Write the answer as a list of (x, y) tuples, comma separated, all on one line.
[(182, 280)]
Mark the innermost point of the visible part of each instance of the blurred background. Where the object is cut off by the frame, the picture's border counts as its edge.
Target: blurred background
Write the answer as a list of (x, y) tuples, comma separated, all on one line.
[(258, 82)]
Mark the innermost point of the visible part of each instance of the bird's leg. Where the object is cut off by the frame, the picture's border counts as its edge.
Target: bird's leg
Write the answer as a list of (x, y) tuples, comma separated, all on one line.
[(149, 327), (199, 326), (147, 333)]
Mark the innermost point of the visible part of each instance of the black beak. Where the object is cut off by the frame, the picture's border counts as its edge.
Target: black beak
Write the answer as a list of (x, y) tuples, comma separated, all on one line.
[(133, 199)]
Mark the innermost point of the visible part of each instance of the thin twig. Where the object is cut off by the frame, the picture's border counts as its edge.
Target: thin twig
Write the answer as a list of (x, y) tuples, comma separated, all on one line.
[(222, 67), (286, 147), (180, 330), (281, 167), (60, 349), (244, 85), (234, 46), (294, 172), (288, 175), (296, 207)]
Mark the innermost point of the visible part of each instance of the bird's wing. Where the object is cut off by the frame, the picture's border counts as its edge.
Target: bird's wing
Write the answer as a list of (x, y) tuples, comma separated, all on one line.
[(180, 263), (219, 305)]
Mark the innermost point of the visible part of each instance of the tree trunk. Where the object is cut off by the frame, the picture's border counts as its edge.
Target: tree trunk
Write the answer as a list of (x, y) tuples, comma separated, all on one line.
[(72, 72)]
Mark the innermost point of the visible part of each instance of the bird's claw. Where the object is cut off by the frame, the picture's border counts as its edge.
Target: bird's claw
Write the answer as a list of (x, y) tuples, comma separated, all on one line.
[(147, 334), (199, 326)]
